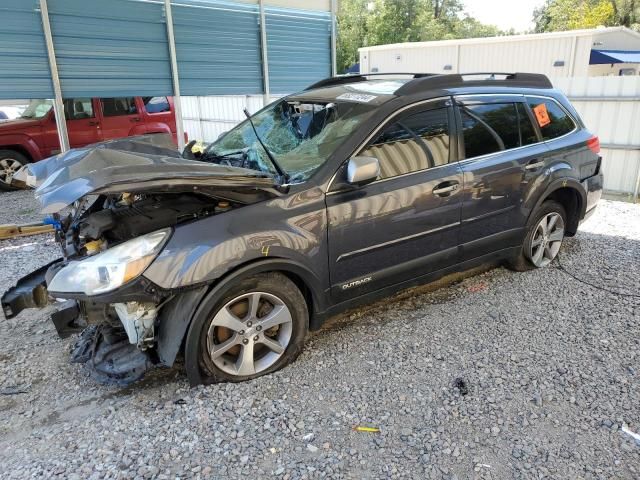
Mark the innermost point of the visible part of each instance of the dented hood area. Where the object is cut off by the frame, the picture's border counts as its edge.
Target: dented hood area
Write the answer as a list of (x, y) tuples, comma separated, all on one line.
[(149, 164)]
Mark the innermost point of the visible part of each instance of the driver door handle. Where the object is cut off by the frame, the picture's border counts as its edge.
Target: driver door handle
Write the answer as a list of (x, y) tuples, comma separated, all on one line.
[(444, 189)]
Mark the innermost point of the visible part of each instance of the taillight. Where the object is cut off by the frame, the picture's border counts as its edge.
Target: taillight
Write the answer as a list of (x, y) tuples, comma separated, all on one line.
[(594, 144)]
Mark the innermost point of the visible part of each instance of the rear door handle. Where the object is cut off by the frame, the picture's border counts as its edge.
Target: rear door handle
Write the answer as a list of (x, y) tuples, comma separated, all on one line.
[(534, 165), (135, 119), (444, 189), (93, 123)]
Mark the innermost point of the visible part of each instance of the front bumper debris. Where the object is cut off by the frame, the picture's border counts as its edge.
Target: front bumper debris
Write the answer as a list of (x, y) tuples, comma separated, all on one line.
[(67, 319), (103, 346), (108, 357), (29, 292)]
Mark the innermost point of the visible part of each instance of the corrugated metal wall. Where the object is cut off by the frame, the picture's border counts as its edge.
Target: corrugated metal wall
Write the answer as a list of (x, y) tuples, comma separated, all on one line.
[(511, 56), (610, 107), (113, 48), (24, 68), (570, 52), (119, 47), (518, 56), (205, 118), (218, 47), (299, 48)]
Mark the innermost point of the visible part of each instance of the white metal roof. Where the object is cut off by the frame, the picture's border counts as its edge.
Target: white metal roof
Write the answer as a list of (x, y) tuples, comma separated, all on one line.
[(507, 38)]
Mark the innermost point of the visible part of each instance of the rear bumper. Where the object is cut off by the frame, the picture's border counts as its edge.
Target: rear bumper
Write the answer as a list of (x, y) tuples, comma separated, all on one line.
[(593, 187)]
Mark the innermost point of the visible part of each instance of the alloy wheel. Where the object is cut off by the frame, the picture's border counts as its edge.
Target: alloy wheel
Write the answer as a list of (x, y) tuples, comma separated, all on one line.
[(547, 239), (8, 167), (249, 333)]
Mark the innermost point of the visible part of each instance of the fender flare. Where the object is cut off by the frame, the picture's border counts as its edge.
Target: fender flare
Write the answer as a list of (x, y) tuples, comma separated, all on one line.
[(177, 327), (137, 130), (22, 140), (157, 127)]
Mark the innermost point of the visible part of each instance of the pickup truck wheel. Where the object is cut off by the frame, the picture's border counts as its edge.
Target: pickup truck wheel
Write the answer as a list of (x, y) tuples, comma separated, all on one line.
[(10, 163), (256, 327), (545, 232)]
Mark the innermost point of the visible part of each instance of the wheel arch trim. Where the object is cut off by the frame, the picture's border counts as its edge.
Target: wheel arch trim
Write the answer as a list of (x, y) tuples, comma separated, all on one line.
[(21, 143), (565, 183)]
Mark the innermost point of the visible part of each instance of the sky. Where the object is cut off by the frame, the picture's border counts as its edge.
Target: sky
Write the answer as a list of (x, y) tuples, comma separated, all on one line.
[(505, 14)]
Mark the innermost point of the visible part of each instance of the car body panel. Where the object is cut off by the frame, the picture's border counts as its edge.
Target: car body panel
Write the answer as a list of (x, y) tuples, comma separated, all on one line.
[(129, 166), (383, 232), (206, 250), (23, 141)]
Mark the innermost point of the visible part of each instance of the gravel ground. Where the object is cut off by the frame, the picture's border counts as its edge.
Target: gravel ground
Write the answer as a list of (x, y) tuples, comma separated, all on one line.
[(549, 368)]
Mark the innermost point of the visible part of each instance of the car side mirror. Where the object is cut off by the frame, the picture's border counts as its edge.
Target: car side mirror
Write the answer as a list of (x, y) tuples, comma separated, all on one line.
[(362, 170)]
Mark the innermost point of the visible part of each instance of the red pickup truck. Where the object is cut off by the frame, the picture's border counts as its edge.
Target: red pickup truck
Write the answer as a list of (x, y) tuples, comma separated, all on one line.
[(34, 136)]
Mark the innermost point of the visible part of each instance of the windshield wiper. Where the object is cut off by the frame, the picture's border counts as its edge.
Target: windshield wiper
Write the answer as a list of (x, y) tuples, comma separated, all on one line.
[(271, 157)]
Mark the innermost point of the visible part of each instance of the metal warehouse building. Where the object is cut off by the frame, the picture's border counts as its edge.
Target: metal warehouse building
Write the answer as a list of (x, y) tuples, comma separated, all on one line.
[(577, 53), (598, 69)]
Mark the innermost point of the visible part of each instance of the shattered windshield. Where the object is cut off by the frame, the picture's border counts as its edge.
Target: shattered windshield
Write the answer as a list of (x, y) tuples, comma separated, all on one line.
[(37, 109), (300, 135)]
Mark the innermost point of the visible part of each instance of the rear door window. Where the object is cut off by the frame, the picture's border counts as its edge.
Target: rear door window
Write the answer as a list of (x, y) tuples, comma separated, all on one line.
[(114, 107), (412, 143), (156, 104), (492, 127), (553, 121)]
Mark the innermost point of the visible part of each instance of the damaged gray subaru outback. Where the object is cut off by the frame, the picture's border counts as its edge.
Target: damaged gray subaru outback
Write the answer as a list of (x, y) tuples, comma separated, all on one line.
[(228, 254)]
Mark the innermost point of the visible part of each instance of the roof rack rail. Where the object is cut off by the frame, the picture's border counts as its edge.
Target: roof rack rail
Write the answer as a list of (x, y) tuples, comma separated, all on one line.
[(530, 80), (361, 77)]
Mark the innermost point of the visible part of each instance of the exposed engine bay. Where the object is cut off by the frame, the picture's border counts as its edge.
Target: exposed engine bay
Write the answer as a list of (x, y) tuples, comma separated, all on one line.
[(114, 206), (94, 224), (118, 339)]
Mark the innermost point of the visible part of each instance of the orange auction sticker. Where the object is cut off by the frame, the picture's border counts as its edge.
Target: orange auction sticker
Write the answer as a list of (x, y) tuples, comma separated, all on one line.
[(542, 115)]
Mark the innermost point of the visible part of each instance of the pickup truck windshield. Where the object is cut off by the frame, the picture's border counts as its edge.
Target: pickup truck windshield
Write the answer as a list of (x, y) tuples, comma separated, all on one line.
[(300, 135), (37, 109)]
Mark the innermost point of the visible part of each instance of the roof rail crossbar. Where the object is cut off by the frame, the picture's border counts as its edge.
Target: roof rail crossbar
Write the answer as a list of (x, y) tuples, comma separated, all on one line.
[(361, 77), (527, 80)]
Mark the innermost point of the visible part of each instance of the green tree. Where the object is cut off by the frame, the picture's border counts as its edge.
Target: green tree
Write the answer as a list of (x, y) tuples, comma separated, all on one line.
[(378, 22), (557, 15), (352, 31), (627, 13)]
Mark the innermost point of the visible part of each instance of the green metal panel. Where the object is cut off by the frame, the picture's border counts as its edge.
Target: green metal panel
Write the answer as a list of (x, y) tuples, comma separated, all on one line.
[(217, 47), (299, 48), (24, 67), (110, 48)]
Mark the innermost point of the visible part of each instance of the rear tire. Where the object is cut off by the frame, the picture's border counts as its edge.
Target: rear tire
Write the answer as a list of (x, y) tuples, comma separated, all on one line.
[(545, 232), (253, 328), (10, 163)]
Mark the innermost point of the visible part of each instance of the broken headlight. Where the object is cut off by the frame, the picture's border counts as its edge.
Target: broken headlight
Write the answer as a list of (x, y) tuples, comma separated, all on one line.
[(112, 268)]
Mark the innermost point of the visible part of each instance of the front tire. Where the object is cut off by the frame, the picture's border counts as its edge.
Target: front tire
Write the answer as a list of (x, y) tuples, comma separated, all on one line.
[(254, 328), (10, 162), (545, 232)]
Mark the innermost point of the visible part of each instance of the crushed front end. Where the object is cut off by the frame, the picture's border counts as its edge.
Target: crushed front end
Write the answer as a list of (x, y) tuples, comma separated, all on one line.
[(114, 211)]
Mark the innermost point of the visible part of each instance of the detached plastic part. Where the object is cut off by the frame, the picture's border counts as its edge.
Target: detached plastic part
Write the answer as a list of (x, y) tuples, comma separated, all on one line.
[(29, 292), (67, 319), (108, 356)]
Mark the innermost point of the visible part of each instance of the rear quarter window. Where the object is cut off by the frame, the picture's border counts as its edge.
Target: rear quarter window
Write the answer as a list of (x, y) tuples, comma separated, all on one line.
[(553, 121), (156, 104)]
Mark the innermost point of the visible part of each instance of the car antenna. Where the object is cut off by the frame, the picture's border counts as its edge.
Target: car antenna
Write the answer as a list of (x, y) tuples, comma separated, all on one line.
[(271, 157)]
